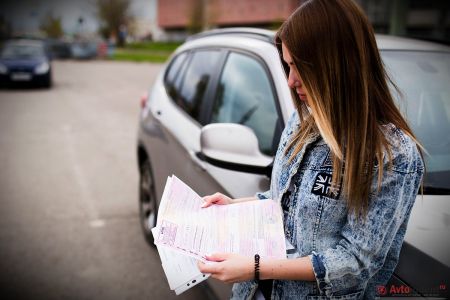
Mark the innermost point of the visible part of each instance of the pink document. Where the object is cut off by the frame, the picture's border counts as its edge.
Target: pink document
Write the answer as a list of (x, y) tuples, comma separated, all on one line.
[(245, 228)]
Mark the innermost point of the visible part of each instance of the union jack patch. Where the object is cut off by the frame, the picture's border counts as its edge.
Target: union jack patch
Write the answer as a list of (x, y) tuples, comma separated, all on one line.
[(323, 186)]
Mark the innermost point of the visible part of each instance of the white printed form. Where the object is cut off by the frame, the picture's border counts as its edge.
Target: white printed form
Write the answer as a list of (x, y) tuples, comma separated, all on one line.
[(246, 228)]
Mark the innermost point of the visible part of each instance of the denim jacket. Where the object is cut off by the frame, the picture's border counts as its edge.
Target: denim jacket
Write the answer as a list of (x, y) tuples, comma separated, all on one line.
[(350, 258)]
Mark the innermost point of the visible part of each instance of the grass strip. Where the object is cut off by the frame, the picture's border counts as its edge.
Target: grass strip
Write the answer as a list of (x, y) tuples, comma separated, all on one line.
[(140, 56), (154, 46), (156, 52)]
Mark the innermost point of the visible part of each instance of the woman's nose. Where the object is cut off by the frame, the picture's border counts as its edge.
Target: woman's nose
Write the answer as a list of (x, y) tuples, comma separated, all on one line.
[(291, 80)]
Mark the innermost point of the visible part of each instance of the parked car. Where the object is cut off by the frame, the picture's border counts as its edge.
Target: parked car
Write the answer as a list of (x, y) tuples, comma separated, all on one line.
[(25, 61), (84, 50), (59, 49), (235, 76)]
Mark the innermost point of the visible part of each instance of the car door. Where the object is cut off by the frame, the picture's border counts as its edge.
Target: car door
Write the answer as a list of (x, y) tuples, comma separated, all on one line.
[(183, 117), (245, 94)]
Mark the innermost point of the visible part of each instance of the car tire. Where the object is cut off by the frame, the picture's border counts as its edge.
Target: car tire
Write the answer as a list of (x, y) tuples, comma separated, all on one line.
[(148, 208), (48, 81)]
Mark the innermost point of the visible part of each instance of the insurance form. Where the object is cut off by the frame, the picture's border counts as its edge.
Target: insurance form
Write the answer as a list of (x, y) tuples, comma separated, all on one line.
[(181, 270), (185, 232), (247, 228)]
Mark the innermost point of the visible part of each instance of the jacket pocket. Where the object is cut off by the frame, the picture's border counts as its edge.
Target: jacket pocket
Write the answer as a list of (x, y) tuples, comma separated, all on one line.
[(352, 296)]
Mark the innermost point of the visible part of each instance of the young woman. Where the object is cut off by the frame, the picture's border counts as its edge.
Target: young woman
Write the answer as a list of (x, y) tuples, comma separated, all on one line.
[(347, 170)]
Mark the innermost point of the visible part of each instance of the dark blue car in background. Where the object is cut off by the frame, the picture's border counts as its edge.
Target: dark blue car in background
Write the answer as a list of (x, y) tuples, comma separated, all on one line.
[(25, 62)]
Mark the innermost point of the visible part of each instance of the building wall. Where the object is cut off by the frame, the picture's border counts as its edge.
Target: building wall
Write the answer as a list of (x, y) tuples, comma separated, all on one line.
[(251, 11), (174, 13), (178, 14), (415, 18)]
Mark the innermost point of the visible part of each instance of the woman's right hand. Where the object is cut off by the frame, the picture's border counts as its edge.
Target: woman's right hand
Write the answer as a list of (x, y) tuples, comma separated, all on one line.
[(217, 198)]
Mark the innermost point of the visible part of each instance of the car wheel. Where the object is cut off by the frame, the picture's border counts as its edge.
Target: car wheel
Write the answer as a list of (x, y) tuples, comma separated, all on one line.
[(147, 201), (48, 81), (48, 84)]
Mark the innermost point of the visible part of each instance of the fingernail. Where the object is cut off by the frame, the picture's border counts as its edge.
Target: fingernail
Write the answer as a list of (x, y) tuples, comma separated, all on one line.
[(203, 205)]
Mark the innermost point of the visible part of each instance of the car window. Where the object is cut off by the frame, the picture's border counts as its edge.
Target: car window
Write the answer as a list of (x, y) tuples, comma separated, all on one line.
[(245, 96), (18, 51), (423, 78), (174, 74), (196, 80)]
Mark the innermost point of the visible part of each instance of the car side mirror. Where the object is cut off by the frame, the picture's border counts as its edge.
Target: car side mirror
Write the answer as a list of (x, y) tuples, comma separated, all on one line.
[(234, 147)]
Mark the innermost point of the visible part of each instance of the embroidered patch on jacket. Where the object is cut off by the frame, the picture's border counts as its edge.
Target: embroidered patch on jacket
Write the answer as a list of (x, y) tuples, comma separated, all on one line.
[(323, 187)]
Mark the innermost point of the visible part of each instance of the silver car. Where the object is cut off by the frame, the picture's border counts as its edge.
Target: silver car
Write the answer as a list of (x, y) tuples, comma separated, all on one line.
[(215, 114)]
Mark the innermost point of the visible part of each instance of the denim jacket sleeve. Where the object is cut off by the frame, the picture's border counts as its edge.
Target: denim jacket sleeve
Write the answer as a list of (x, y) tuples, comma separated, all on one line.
[(364, 244)]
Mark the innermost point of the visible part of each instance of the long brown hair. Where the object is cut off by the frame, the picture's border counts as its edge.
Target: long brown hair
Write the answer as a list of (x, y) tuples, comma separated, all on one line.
[(333, 47)]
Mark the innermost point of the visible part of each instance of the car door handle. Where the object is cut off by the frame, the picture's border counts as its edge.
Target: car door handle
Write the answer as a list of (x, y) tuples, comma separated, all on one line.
[(199, 163)]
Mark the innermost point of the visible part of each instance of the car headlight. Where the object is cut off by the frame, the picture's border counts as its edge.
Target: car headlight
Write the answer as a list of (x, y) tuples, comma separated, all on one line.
[(3, 69), (42, 68)]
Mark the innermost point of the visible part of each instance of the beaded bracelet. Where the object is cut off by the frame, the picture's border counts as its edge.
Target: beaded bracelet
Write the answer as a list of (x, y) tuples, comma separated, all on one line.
[(257, 267)]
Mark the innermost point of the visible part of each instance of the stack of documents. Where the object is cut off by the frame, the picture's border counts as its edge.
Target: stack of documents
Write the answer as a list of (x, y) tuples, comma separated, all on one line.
[(185, 232)]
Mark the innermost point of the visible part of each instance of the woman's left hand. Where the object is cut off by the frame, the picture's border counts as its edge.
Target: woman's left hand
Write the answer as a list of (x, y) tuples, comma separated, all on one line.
[(229, 267)]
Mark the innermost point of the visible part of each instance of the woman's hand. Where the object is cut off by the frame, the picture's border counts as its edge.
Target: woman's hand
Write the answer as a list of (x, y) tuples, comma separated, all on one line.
[(216, 198), (229, 267)]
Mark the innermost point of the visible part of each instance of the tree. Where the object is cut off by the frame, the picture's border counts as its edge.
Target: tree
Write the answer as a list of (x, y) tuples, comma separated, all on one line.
[(202, 15), (114, 18), (197, 16), (52, 26), (5, 29)]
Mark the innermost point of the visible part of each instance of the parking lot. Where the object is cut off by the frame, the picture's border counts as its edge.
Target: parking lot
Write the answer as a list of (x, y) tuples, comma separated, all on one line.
[(69, 226)]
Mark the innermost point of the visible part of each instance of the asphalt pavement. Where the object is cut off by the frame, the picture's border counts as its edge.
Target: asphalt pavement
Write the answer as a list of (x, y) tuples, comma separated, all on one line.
[(69, 226)]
